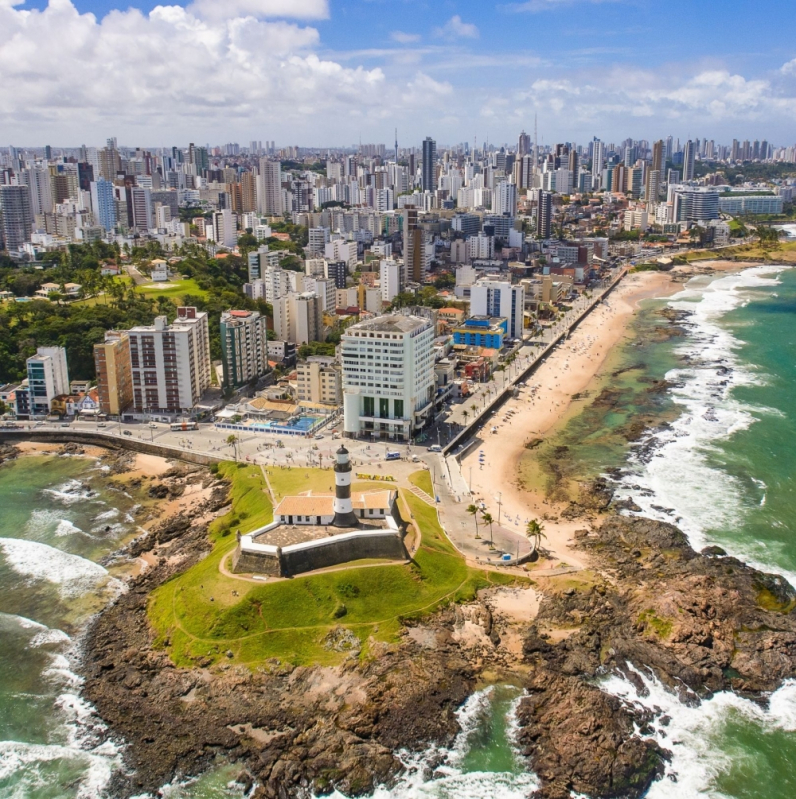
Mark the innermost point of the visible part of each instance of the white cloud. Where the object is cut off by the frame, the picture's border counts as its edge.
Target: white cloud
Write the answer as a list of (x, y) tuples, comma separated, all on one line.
[(455, 28), (292, 9), (169, 75), (405, 38)]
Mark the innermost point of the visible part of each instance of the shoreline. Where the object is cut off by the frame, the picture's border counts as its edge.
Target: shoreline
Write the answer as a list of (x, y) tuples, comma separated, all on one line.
[(569, 371)]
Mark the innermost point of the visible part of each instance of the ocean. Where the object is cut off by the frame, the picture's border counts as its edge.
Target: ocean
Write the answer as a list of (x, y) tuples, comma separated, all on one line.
[(710, 373)]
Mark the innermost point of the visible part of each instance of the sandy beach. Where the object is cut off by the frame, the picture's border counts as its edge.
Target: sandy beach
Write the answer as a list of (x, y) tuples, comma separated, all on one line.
[(568, 371)]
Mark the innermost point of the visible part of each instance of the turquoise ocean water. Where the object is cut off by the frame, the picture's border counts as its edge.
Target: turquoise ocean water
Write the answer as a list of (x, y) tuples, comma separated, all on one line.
[(723, 468)]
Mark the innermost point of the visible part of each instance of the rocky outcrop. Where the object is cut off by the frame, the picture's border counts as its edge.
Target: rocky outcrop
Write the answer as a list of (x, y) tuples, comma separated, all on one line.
[(701, 622)]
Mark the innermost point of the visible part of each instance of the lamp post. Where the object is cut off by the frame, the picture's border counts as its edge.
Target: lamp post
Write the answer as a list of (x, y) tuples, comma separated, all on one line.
[(499, 504)]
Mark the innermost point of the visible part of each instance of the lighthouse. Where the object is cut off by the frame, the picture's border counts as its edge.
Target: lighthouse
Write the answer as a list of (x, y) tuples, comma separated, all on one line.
[(343, 509)]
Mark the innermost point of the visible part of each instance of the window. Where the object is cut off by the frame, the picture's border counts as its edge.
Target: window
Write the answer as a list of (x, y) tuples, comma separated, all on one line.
[(384, 408), (369, 409), (399, 409)]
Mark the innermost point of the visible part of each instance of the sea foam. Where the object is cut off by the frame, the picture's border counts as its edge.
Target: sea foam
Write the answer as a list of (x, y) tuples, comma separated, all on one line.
[(74, 575), (671, 467), (691, 733)]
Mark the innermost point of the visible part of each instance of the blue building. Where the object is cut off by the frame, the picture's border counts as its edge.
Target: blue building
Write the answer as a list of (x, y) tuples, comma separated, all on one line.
[(481, 331), (103, 204)]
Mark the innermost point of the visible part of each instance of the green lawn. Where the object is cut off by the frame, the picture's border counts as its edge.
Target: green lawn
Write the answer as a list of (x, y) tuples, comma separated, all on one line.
[(289, 482), (178, 290), (422, 480), (202, 614)]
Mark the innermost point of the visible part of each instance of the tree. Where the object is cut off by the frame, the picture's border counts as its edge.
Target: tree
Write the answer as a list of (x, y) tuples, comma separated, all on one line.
[(473, 511), (535, 532), (232, 441), (465, 414), (486, 518)]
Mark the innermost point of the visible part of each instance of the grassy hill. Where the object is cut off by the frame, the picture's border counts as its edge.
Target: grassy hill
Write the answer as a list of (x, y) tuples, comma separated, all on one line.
[(203, 614)]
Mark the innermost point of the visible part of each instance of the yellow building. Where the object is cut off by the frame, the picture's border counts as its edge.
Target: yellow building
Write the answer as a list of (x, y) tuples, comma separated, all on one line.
[(114, 373)]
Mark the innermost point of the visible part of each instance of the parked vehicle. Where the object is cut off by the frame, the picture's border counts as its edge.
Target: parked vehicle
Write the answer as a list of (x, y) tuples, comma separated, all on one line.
[(127, 432), (393, 455), (435, 448)]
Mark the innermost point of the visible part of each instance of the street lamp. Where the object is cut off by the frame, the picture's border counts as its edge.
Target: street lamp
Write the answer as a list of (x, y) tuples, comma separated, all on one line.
[(499, 504)]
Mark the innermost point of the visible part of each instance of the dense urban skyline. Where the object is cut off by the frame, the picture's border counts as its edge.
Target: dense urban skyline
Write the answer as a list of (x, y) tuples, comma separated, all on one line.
[(269, 69)]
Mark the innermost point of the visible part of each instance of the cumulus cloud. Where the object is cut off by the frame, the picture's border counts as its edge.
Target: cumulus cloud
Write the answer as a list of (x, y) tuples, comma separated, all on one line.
[(404, 38), (169, 74), (455, 28), (293, 9)]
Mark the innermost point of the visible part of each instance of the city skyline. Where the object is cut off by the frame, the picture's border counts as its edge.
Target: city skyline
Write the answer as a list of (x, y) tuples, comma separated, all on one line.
[(458, 71)]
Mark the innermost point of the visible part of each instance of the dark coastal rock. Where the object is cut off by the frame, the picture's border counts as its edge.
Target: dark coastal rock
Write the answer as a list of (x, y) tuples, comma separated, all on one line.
[(8, 452), (697, 622)]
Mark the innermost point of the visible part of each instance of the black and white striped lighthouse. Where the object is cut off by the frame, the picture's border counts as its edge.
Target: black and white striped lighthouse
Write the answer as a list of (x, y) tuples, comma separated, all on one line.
[(343, 509)]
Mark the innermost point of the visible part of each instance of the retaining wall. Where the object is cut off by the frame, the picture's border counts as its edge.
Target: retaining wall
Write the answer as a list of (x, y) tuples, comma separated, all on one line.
[(108, 441)]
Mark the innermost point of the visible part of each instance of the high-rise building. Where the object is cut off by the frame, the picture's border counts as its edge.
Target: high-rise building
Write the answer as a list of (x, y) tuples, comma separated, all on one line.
[(114, 373), (523, 145), (17, 216), (48, 377), (337, 271), (244, 350), (248, 192), (544, 215), (388, 376), (110, 163), (140, 208), (103, 204), (298, 318), (269, 188), (429, 178), (389, 279), (504, 199), (413, 244), (497, 298), (694, 204), (689, 160), (597, 161), (41, 197), (170, 362)]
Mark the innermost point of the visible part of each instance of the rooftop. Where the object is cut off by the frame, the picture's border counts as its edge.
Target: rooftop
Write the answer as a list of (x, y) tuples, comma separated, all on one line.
[(393, 323)]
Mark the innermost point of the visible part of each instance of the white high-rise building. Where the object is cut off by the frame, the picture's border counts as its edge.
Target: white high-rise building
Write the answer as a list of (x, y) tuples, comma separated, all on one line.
[(390, 279), (597, 161), (388, 376), (225, 228), (298, 318), (48, 377), (170, 362), (504, 199), (269, 188), (497, 298), (318, 238), (341, 250), (481, 247), (315, 267), (324, 288), (41, 195)]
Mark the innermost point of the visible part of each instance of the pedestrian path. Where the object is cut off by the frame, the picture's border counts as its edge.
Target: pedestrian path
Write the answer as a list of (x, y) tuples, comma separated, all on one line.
[(420, 494)]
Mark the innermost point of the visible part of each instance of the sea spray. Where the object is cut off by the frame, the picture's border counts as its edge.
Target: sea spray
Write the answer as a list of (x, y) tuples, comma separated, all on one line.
[(487, 720), (672, 472)]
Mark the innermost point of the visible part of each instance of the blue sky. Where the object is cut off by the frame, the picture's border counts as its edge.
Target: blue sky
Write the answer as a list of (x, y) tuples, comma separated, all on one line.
[(316, 72)]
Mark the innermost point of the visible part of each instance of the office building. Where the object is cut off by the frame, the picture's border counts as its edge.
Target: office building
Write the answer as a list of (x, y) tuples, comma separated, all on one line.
[(17, 216), (320, 381), (388, 376), (497, 298), (429, 174), (244, 352), (114, 373), (544, 215), (298, 318), (170, 362)]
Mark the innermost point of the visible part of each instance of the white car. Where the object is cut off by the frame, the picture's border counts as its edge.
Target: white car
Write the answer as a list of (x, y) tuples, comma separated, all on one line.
[(435, 448)]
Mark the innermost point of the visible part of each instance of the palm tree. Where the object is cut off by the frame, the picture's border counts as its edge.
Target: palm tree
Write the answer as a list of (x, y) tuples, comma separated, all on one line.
[(473, 511), (465, 414), (474, 408), (535, 532), (487, 519), (232, 441)]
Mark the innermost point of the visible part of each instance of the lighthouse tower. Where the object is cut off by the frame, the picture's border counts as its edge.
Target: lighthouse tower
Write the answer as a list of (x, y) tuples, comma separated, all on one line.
[(343, 509)]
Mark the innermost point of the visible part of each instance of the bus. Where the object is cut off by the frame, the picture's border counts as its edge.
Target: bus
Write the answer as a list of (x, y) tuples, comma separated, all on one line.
[(393, 456), (181, 427)]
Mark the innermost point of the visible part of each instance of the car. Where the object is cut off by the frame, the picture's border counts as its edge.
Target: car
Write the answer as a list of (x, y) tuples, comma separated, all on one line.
[(153, 425), (415, 459), (102, 424), (318, 437), (435, 448), (127, 432)]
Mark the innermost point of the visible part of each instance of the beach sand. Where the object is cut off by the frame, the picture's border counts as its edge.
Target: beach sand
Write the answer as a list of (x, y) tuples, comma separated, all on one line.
[(567, 371)]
